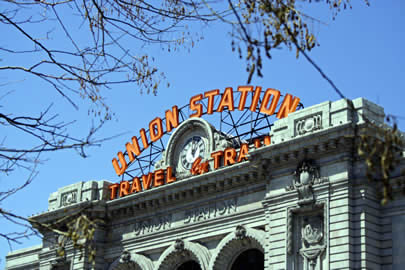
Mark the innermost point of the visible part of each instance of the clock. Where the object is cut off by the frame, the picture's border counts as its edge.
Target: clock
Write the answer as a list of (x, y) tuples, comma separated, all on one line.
[(192, 139), (192, 149)]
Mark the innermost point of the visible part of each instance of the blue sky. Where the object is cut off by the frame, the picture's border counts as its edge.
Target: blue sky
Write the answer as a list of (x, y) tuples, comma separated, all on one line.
[(361, 51)]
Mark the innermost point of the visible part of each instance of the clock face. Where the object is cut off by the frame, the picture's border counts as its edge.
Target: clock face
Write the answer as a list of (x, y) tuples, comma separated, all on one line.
[(193, 148)]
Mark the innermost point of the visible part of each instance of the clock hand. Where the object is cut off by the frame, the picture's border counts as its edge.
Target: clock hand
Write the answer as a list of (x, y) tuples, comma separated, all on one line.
[(189, 155), (193, 146), (197, 153)]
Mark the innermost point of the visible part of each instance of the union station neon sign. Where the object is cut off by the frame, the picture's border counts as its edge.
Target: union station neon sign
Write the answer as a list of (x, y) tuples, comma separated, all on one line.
[(267, 105)]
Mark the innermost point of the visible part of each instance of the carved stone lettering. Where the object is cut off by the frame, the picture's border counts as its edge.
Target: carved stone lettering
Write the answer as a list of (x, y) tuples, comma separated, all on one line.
[(210, 211), (308, 124), (68, 198), (153, 224)]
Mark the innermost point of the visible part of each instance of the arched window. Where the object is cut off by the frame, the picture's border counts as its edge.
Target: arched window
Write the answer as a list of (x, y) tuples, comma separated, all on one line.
[(189, 265), (252, 259)]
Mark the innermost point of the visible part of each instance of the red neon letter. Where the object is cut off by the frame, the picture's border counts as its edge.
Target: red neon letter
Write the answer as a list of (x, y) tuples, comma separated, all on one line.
[(172, 118), (144, 138), (226, 100), (194, 106), (243, 153), (229, 156), (267, 140), (158, 180), (136, 185), (264, 107), (243, 95), (255, 99), (195, 168), (124, 188), (147, 181), (169, 177), (119, 170), (217, 156), (210, 95), (133, 149), (288, 106), (156, 129), (113, 190), (257, 143)]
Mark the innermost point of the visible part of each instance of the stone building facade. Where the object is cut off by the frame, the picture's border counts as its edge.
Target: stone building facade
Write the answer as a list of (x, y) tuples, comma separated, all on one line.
[(302, 202)]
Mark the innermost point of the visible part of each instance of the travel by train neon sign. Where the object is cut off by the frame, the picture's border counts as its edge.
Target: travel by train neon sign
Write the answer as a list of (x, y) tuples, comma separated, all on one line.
[(264, 101)]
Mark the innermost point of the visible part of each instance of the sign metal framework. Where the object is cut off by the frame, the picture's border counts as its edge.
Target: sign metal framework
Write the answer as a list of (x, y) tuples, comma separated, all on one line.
[(245, 126)]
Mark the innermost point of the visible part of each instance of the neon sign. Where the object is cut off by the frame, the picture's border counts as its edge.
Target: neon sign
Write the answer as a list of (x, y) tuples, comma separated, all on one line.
[(268, 106)]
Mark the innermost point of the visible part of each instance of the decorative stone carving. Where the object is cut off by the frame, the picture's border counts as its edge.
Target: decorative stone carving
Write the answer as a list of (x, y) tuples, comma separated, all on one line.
[(125, 257), (126, 262), (306, 236), (58, 240), (131, 261), (305, 176), (240, 232), (181, 251), (311, 236), (312, 242), (160, 163), (308, 124), (222, 141), (179, 245), (68, 198)]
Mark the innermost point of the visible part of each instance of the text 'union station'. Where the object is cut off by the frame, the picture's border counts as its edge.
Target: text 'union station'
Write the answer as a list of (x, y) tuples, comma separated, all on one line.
[(282, 188), (267, 105)]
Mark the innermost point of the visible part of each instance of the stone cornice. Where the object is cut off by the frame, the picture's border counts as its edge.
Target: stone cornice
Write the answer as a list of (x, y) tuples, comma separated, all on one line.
[(189, 189), (320, 143), (94, 209)]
